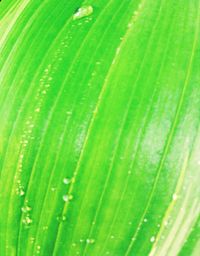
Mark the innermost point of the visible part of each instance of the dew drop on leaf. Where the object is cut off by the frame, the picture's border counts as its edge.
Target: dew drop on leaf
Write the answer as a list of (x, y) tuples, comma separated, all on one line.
[(27, 221), (67, 198), (37, 110), (32, 239), (38, 249), (90, 241), (82, 12), (26, 209), (21, 192), (174, 197), (165, 223), (152, 239), (45, 228), (66, 181), (61, 218)]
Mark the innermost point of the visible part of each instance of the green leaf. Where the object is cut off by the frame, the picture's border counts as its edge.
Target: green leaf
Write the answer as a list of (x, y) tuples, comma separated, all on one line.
[(99, 127)]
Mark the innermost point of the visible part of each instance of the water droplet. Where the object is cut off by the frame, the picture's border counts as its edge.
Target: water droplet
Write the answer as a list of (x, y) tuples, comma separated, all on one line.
[(61, 218), (82, 12), (90, 241), (26, 209), (66, 181), (32, 239), (165, 223), (27, 221), (145, 220), (45, 227), (67, 198), (21, 192), (118, 50), (174, 197), (38, 249), (130, 24), (112, 237), (81, 240), (152, 239)]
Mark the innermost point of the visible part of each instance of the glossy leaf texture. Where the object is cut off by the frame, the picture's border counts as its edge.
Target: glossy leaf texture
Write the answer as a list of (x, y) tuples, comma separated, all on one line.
[(99, 127)]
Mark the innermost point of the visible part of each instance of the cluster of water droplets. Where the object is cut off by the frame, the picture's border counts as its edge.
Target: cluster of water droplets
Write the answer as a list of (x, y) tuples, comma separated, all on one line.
[(88, 241), (46, 80), (25, 140), (61, 218), (95, 72), (67, 197), (38, 248), (26, 215), (32, 239), (135, 15), (44, 85)]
